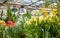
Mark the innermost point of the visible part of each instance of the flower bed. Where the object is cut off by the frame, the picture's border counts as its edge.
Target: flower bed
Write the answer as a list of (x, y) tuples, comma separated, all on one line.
[(38, 24)]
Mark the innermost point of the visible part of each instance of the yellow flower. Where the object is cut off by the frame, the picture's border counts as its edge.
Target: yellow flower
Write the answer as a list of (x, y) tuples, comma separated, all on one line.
[(34, 18), (41, 18), (28, 22), (44, 12), (58, 23), (44, 8), (33, 12), (53, 12), (1, 21), (51, 8), (38, 12), (49, 18)]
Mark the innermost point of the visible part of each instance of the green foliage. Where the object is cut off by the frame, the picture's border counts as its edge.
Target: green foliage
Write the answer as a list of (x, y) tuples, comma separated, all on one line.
[(47, 3), (46, 29), (58, 10), (33, 29), (1, 15), (10, 16), (28, 14)]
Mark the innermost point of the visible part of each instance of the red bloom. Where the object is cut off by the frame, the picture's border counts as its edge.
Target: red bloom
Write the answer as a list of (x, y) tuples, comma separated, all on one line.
[(11, 23)]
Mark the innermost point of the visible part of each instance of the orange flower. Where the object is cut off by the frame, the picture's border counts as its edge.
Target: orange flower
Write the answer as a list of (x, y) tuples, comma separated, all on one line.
[(4, 24)]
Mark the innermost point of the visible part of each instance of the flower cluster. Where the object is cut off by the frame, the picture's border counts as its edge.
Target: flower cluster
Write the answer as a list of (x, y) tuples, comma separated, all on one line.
[(9, 23)]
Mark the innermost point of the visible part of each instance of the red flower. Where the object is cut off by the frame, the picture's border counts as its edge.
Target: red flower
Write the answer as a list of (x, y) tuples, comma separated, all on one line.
[(11, 23)]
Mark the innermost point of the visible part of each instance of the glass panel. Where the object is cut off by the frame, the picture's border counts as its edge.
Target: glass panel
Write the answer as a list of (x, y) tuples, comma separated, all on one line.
[(28, 1)]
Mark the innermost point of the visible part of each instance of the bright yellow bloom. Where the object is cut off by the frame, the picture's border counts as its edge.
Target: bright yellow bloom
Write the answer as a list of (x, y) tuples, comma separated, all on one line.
[(44, 12), (53, 12), (34, 18), (1, 21)]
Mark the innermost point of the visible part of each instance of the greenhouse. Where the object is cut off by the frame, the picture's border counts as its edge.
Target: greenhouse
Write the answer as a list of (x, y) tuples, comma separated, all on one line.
[(29, 18)]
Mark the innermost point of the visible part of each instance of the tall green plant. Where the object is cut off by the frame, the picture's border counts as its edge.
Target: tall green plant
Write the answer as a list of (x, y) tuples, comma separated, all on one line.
[(10, 16), (1, 15), (47, 3), (28, 14), (58, 10)]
